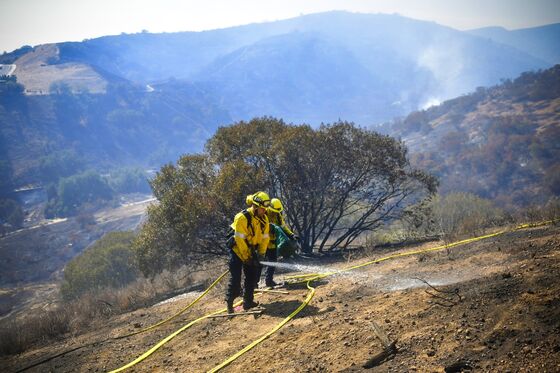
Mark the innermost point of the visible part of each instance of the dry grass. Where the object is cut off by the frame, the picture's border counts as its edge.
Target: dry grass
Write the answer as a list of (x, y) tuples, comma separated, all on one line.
[(72, 318), (533, 214), (38, 76)]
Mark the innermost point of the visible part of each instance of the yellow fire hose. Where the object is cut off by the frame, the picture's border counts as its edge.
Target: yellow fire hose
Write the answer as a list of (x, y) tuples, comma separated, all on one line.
[(310, 296), (408, 253), (178, 313), (44, 360), (272, 331), (167, 339), (302, 275)]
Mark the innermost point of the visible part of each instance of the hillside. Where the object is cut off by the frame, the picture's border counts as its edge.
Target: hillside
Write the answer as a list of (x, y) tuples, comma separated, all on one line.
[(37, 72), (500, 143), (536, 41), (127, 125), (491, 306), (38, 254), (297, 77), (144, 99), (314, 68)]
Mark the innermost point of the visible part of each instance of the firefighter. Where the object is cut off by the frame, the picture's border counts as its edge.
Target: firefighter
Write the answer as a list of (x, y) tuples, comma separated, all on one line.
[(274, 213), (249, 242)]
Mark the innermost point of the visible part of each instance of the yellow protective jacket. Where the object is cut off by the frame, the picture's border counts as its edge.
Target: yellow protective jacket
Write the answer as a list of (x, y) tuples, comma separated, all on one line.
[(277, 219), (256, 236)]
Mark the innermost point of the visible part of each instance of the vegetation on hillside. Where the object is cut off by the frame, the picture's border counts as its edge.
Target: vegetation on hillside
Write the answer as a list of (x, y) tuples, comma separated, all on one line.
[(76, 190), (448, 217), (52, 140), (337, 182), (11, 213), (59, 164), (127, 126), (129, 180), (69, 195), (109, 262), (499, 143)]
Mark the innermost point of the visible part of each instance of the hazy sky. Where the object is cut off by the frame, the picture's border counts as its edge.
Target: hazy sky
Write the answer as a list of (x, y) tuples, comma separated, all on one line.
[(35, 22)]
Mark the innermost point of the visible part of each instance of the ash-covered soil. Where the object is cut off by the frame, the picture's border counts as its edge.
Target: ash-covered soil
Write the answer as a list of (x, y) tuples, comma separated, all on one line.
[(490, 306)]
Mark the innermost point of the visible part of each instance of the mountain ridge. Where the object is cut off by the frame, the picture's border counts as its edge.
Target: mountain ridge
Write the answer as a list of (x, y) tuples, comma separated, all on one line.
[(538, 41), (312, 69), (417, 61)]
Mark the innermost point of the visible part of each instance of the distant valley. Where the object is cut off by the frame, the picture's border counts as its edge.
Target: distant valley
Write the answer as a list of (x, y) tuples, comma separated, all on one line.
[(144, 99)]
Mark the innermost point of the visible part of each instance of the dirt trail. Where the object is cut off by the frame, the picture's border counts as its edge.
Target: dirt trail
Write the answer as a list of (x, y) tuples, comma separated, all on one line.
[(496, 309)]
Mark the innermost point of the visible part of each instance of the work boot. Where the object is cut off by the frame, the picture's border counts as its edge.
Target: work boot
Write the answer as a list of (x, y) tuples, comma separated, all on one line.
[(230, 306), (271, 283), (247, 305)]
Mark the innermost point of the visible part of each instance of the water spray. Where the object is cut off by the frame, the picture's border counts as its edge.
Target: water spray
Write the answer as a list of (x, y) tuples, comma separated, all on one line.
[(311, 270)]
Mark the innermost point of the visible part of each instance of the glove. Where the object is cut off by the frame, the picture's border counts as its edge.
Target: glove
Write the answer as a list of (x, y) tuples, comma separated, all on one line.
[(255, 262), (255, 259)]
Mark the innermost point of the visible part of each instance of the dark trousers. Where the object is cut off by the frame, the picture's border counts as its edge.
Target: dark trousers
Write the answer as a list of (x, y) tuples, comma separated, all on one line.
[(234, 287), (271, 256)]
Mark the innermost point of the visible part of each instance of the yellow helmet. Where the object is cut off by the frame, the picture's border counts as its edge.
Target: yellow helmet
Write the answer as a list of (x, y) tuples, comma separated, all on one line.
[(276, 205), (249, 200), (261, 199)]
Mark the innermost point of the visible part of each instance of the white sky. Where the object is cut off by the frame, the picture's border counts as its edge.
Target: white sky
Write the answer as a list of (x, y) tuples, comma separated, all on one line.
[(32, 22)]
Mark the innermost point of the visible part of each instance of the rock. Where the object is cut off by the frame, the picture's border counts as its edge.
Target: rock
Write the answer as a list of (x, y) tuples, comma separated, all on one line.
[(431, 353)]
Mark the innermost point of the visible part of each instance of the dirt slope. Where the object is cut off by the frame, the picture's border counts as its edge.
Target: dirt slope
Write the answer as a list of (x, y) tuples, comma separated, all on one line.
[(501, 313), (37, 73)]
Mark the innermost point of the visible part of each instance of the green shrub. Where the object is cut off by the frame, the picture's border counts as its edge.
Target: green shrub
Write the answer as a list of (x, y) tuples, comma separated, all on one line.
[(59, 164), (74, 191), (109, 262), (464, 213), (129, 180), (11, 213)]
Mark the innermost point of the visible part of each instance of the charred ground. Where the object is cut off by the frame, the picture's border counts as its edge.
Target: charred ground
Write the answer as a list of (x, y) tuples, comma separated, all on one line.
[(494, 306)]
